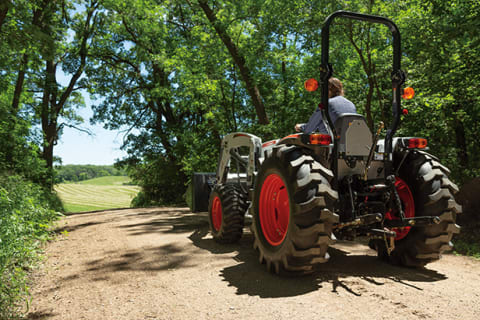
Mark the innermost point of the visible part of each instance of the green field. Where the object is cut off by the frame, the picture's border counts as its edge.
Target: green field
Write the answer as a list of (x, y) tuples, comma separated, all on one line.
[(97, 194)]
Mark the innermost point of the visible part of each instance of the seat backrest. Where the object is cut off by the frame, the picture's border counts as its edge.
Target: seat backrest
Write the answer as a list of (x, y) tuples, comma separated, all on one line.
[(355, 136)]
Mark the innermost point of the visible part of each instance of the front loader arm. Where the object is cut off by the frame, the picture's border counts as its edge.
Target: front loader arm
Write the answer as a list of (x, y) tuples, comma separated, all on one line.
[(229, 149)]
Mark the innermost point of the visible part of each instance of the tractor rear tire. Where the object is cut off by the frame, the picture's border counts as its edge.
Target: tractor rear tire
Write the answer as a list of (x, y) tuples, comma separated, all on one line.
[(433, 195), (292, 211), (226, 212)]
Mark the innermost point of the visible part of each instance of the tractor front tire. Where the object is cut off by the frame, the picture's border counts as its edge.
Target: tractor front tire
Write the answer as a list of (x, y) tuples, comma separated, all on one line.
[(292, 211), (433, 195), (226, 212)]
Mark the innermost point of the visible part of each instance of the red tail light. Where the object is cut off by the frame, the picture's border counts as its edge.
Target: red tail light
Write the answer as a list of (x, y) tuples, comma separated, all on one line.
[(322, 139), (416, 143)]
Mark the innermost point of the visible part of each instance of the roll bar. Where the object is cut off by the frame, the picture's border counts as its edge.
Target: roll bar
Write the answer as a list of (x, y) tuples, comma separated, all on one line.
[(398, 76)]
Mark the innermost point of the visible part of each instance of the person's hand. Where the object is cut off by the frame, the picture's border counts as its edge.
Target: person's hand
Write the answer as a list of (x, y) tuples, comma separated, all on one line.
[(298, 127)]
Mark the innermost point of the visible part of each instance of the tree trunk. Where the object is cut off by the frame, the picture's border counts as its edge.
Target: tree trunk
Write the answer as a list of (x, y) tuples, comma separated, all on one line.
[(36, 21), (49, 143), (281, 113), (239, 60), (367, 67), (12, 124), (3, 12), (49, 130), (19, 84), (368, 104), (460, 139)]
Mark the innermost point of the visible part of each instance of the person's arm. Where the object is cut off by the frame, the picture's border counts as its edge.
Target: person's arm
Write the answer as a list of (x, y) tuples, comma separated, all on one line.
[(315, 123), (299, 127)]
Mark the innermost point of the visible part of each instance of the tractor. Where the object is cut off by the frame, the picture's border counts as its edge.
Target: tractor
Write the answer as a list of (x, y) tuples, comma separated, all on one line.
[(305, 190)]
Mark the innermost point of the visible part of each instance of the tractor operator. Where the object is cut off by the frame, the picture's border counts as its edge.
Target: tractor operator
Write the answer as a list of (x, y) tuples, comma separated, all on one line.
[(337, 105)]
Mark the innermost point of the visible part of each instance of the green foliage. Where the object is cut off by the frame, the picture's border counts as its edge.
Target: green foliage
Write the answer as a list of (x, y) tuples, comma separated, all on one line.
[(161, 68), (25, 220), (160, 184), (77, 172), (443, 52), (468, 247)]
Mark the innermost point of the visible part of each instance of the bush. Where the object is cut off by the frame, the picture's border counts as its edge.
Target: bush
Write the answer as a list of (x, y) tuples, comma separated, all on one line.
[(81, 172), (162, 183), (467, 245), (25, 220), (468, 241)]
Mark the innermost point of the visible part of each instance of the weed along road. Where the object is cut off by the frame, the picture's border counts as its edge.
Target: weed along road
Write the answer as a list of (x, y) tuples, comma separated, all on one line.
[(161, 263)]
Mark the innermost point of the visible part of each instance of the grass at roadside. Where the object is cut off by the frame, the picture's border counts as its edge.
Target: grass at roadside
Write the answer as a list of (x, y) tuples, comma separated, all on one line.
[(97, 194), (26, 217), (468, 243), (467, 248)]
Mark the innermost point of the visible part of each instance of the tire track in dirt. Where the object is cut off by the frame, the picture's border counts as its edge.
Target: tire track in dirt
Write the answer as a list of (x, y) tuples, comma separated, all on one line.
[(161, 263)]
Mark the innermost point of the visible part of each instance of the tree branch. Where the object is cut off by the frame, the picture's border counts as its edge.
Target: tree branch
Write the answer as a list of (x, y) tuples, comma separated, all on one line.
[(63, 124), (239, 60), (87, 31), (4, 6)]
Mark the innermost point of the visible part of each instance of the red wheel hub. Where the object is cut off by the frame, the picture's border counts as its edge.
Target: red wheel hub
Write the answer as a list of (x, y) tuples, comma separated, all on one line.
[(408, 206), (274, 207), (216, 213)]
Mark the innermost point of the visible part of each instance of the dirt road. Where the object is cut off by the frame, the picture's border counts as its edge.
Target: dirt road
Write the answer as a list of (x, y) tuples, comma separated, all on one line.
[(161, 263)]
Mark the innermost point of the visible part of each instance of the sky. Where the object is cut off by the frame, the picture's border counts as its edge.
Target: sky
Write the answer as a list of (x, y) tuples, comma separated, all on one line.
[(76, 147)]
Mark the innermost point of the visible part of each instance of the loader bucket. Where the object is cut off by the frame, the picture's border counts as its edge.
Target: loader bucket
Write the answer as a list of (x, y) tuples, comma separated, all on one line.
[(199, 190)]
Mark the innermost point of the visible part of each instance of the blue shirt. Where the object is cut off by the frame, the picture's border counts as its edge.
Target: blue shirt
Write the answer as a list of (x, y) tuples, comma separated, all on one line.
[(336, 106)]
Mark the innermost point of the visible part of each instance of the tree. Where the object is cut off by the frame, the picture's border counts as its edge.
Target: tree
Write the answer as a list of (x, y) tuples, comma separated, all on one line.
[(57, 101), (445, 65), (19, 40), (141, 54)]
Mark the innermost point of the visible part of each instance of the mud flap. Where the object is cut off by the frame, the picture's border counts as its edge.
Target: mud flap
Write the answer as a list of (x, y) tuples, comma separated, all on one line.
[(199, 191)]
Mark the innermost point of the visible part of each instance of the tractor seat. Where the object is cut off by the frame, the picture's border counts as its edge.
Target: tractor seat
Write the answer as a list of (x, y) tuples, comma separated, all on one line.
[(355, 136)]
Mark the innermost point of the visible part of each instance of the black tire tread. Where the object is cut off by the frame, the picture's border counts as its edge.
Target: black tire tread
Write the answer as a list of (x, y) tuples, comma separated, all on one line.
[(434, 196), (234, 205), (312, 215)]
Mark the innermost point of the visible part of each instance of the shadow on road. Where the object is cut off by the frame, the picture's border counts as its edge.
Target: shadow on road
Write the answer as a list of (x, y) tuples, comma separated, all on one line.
[(40, 315), (160, 258), (251, 278), (71, 228), (167, 221), (344, 270)]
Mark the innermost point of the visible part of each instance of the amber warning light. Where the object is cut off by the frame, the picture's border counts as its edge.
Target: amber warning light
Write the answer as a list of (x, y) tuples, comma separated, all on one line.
[(322, 139), (417, 143), (311, 85), (408, 93)]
